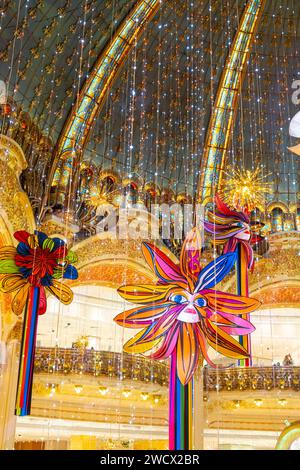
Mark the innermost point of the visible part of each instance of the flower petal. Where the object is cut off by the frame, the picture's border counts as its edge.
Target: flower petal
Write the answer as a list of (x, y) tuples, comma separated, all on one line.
[(19, 300), (12, 282), (41, 236), (161, 326), (7, 252), (190, 256), (72, 257), (133, 346), (21, 236), (168, 343), (232, 324), (145, 293), (42, 301), (222, 342), (162, 266), (139, 317), (48, 243), (61, 291), (215, 271), (23, 249), (71, 272), (224, 302), (58, 242), (203, 345), (187, 352), (8, 266)]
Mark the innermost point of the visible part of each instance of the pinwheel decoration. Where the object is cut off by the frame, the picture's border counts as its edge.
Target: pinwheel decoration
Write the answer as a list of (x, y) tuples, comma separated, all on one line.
[(183, 314), (32, 268)]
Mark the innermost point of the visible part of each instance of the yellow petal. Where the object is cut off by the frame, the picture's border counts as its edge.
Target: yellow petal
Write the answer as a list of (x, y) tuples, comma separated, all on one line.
[(144, 293), (61, 292), (20, 299), (11, 282), (7, 252), (133, 348)]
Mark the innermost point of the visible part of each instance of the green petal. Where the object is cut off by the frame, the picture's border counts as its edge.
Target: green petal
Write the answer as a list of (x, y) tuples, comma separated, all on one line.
[(71, 257), (8, 266), (48, 243), (58, 273)]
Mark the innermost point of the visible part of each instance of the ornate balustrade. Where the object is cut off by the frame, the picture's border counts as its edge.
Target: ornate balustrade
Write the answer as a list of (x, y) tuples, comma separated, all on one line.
[(99, 363), (254, 378), (125, 366)]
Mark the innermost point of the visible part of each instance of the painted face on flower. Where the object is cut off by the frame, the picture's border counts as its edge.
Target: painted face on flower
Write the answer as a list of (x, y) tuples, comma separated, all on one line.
[(184, 311)]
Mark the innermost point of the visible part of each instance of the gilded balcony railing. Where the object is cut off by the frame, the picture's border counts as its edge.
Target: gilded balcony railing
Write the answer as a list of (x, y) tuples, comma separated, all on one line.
[(100, 363), (252, 378), (129, 367)]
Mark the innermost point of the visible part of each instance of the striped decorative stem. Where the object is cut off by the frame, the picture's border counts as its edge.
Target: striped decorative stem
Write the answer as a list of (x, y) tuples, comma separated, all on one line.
[(27, 353), (243, 289), (180, 410)]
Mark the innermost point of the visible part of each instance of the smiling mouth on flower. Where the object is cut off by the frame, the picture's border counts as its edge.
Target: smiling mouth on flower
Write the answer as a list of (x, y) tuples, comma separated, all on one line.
[(189, 315)]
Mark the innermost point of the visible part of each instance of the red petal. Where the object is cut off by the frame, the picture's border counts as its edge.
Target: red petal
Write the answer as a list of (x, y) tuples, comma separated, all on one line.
[(42, 302), (21, 236)]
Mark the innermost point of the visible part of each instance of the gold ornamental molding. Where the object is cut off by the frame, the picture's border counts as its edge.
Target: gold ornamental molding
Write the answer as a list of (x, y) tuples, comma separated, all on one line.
[(222, 119), (15, 208)]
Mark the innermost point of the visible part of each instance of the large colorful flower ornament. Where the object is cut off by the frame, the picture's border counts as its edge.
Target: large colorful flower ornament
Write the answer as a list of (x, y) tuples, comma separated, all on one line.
[(184, 311), (229, 228), (38, 261)]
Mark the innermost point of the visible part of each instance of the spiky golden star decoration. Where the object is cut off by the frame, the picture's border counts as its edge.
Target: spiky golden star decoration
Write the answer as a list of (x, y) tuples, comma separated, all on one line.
[(245, 189)]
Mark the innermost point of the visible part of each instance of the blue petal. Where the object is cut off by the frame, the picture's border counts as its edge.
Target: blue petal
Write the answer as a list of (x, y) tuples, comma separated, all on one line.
[(23, 249), (57, 243), (215, 271), (46, 280), (25, 271), (70, 273), (41, 237)]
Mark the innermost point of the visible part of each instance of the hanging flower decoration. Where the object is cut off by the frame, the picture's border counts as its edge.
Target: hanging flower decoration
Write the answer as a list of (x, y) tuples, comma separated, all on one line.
[(38, 261), (183, 311), (229, 228)]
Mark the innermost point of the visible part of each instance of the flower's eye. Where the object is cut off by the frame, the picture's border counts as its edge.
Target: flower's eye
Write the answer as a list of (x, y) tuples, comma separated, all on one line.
[(239, 224), (178, 298), (201, 302)]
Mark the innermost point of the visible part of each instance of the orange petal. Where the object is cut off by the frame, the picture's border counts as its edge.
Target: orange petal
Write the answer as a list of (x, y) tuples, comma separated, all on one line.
[(190, 256), (145, 293), (61, 292), (187, 353), (223, 342)]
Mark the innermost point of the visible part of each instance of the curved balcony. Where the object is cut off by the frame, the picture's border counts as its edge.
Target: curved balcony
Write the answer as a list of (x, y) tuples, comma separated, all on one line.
[(254, 378), (124, 366), (100, 363)]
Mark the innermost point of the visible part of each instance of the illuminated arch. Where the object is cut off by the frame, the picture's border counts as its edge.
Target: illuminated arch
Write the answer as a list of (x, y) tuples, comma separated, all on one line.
[(222, 118), (80, 121), (288, 436), (277, 205)]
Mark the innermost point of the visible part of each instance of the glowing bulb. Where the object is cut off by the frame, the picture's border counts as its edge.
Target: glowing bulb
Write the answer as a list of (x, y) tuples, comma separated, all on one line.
[(258, 401), (144, 396), (78, 388), (102, 390)]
